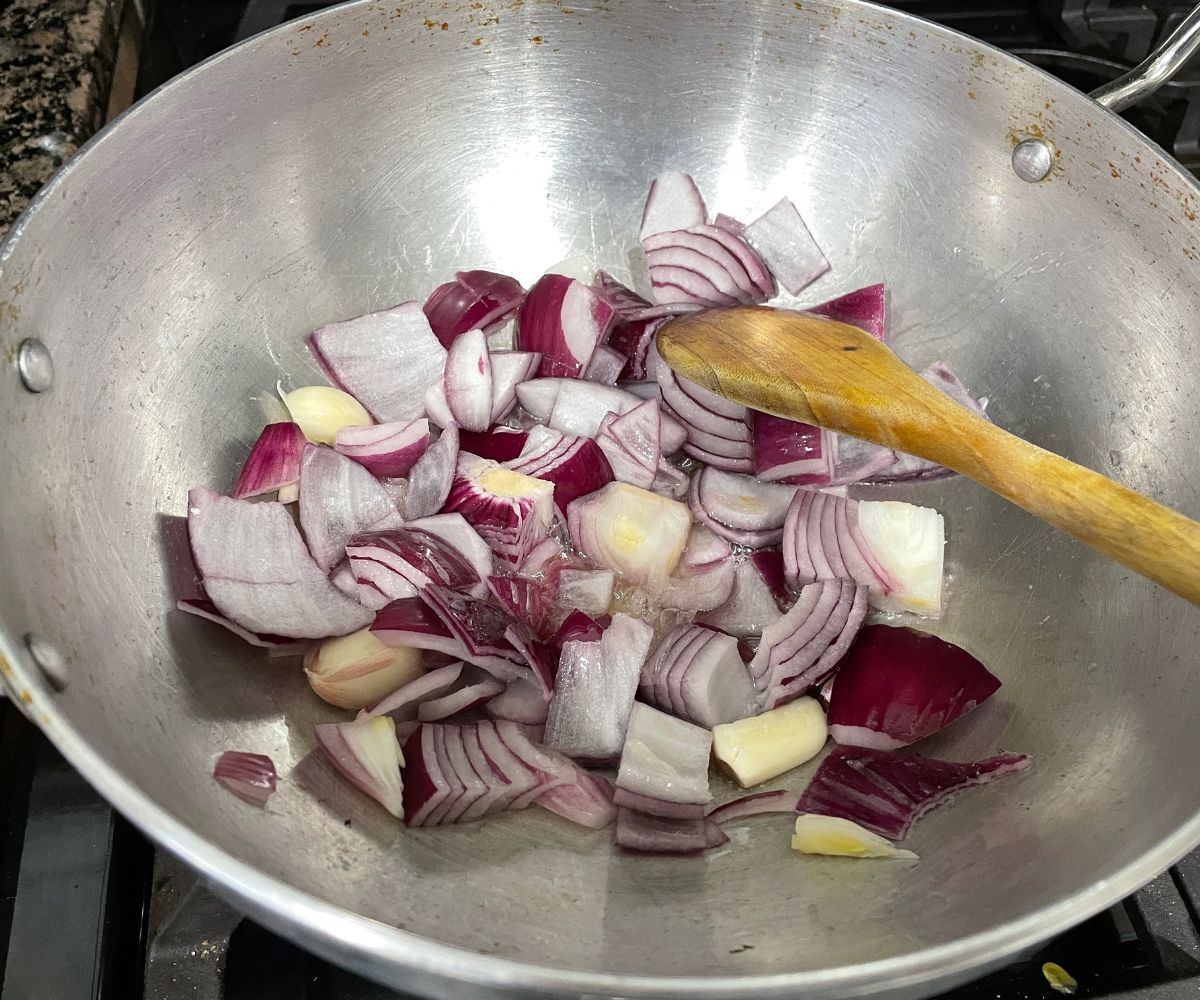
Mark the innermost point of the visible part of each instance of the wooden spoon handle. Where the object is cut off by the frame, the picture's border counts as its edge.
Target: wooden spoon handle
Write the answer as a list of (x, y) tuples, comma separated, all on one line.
[(1149, 538)]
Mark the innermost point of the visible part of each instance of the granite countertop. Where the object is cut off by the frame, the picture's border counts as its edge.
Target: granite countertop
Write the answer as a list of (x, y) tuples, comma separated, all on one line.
[(56, 59)]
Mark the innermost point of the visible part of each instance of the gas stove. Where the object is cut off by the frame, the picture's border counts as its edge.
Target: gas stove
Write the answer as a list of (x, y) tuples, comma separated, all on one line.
[(89, 910)]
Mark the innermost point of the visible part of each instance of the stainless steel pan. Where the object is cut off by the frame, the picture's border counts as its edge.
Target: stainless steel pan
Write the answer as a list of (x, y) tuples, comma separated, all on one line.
[(346, 163)]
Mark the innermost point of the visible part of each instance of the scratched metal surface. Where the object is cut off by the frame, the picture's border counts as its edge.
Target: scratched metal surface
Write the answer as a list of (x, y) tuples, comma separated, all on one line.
[(343, 165)]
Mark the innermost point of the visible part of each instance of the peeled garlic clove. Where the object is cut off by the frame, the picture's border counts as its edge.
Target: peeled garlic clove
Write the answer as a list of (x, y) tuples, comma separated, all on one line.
[(841, 838), (357, 670), (761, 747), (321, 411)]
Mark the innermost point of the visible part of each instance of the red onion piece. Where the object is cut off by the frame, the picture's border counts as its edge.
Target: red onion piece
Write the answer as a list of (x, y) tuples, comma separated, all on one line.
[(541, 562), (769, 563), (564, 320), (632, 444), (479, 627), (729, 224), (804, 647), (385, 449), (500, 444), (756, 804), (541, 657), (578, 627), (468, 381), (575, 465), (587, 590), (509, 369), (524, 599), (898, 685), (475, 300), (586, 800), (634, 532), (703, 590), (338, 500), (258, 572), (512, 512), (250, 776), (624, 300), (700, 250), (426, 788), (522, 702), (751, 605), (665, 311), (665, 758), (793, 452), (577, 407), (636, 831), (704, 550), (274, 461), (888, 792), (462, 700), (730, 237), (865, 308), (367, 754), (698, 409), (606, 365), (437, 408), (698, 674), (893, 548), (385, 360), (203, 608), (742, 502), (673, 202), (750, 538), (430, 480), (403, 703), (594, 691), (786, 246), (657, 807)]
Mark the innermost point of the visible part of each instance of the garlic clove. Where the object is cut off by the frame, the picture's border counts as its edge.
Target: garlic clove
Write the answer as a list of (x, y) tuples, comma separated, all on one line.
[(357, 670), (321, 411), (761, 747), (841, 838)]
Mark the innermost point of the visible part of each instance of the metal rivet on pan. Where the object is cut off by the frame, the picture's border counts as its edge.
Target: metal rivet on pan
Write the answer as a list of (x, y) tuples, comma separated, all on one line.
[(50, 661), (1032, 160), (35, 365)]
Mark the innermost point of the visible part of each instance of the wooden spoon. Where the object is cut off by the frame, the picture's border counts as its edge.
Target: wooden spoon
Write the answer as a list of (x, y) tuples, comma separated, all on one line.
[(819, 371)]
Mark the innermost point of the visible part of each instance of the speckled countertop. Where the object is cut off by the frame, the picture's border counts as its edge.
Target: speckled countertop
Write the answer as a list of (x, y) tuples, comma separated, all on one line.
[(55, 70)]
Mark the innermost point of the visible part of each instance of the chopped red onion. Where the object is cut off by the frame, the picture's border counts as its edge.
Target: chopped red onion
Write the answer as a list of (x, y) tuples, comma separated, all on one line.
[(520, 701), (751, 605), (475, 300), (804, 647), (700, 590), (509, 369), (385, 449), (468, 381), (698, 674), (577, 407), (437, 408), (893, 548), (729, 224), (367, 754), (541, 657), (712, 423), (594, 690), (203, 608), (634, 532), (865, 308), (857, 461), (714, 275), (587, 590), (769, 563), (541, 561), (403, 703), (637, 831), (898, 685), (274, 461), (385, 360), (478, 626), (786, 246), (730, 237), (250, 776), (750, 538), (575, 465), (389, 565), (579, 627), (409, 621), (704, 550), (657, 807), (338, 500), (624, 300), (756, 804), (586, 800), (512, 512), (673, 202), (606, 365), (524, 599), (888, 792), (632, 444), (793, 452), (742, 502), (430, 480), (258, 572), (500, 444), (462, 700), (564, 320)]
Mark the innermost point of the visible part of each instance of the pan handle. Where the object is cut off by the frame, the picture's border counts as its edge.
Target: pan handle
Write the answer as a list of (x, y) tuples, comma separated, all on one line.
[(1155, 70)]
